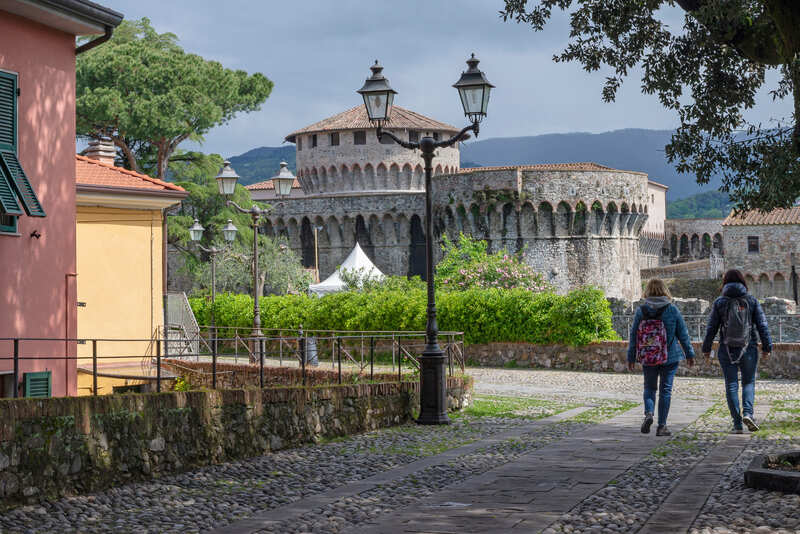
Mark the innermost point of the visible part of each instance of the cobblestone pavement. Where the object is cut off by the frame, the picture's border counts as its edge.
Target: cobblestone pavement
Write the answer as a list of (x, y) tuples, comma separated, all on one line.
[(621, 500)]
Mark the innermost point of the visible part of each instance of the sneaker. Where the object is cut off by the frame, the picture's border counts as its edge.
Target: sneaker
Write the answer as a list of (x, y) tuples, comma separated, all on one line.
[(663, 431), (647, 423), (736, 430), (750, 423)]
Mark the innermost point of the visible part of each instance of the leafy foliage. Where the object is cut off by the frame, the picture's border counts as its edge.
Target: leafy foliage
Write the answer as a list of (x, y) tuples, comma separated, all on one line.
[(484, 315), (719, 57), (708, 205), (466, 264), (148, 95)]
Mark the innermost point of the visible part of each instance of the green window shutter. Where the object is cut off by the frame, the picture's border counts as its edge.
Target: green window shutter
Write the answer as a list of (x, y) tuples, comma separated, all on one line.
[(38, 384), (21, 184), (8, 111)]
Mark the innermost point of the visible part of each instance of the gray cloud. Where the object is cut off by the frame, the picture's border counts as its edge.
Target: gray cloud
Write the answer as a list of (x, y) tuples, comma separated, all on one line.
[(318, 53)]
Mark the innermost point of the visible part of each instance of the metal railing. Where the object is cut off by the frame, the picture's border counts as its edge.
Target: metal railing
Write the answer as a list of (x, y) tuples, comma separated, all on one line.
[(783, 328), (356, 352)]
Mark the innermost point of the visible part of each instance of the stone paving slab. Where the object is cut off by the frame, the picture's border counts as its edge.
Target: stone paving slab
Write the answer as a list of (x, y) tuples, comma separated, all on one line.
[(683, 504), (544, 484), (300, 507)]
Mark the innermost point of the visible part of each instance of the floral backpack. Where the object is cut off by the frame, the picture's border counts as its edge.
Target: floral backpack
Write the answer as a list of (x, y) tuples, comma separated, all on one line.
[(651, 338)]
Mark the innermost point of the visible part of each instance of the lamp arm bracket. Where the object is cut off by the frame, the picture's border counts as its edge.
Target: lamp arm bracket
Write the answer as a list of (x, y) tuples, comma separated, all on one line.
[(404, 144), (474, 127), (235, 205)]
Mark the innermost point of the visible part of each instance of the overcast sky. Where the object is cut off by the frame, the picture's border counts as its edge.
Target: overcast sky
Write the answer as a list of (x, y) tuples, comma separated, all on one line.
[(318, 53)]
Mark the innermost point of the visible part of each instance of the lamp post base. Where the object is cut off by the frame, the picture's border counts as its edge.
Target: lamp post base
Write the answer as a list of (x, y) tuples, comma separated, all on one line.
[(433, 388)]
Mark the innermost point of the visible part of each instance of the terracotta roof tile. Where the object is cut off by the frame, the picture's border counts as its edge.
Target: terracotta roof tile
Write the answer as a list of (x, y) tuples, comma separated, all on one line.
[(267, 184), (356, 119), (756, 218), (92, 172), (579, 166)]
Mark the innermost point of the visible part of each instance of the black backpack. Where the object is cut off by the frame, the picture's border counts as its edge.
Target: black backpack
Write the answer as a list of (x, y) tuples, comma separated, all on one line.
[(737, 323)]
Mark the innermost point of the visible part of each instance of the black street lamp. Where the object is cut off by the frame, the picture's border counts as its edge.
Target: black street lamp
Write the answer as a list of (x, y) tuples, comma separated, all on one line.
[(226, 179), (229, 234), (474, 89)]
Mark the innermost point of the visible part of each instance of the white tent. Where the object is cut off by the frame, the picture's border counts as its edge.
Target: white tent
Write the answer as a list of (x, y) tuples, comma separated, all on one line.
[(356, 261)]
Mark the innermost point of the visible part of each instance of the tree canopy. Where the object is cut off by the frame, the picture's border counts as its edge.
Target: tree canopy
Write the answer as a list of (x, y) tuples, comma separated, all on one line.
[(142, 90), (708, 71)]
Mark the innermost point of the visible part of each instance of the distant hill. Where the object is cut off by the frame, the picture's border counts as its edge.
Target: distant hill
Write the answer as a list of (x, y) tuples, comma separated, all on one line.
[(708, 205), (630, 149), (262, 163)]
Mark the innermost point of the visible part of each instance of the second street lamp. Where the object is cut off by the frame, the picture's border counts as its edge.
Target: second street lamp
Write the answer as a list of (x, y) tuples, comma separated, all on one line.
[(474, 89)]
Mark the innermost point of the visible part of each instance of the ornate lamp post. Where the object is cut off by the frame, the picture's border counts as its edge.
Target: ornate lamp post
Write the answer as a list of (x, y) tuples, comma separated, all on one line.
[(229, 234), (226, 179), (474, 89)]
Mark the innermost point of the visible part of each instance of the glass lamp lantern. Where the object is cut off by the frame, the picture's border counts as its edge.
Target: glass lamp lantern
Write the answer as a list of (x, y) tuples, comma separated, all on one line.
[(196, 231), (229, 231), (283, 181), (226, 179), (474, 89), (378, 95)]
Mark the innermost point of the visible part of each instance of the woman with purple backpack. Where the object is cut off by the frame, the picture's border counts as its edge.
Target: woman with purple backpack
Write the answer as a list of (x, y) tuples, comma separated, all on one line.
[(738, 316), (659, 340)]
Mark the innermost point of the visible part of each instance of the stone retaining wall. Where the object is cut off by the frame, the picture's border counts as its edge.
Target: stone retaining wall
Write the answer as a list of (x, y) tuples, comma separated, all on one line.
[(62, 446), (612, 356)]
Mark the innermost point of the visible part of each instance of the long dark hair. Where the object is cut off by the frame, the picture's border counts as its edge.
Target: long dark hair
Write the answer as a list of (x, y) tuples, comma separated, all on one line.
[(733, 276)]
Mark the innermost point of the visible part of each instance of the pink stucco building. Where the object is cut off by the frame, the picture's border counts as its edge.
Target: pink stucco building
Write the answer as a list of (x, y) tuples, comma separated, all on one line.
[(37, 184)]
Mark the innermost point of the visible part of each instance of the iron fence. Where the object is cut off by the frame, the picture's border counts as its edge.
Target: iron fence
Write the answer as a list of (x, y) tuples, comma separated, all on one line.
[(142, 360)]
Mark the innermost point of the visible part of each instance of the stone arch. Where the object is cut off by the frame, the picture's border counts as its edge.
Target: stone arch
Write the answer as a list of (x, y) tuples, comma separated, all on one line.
[(705, 246), (322, 233), (333, 180), (348, 233), (684, 247), (563, 219), (394, 177), (545, 219), (717, 244), (402, 230), (268, 229), (323, 180), (510, 228), (450, 224), (463, 220), (694, 246), (333, 229), (293, 233), (626, 220), (358, 178), (389, 231), (347, 179), (406, 177), (369, 177), (527, 221), (375, 229), (781, 288), (281, 232), (306, 243), (612, 219), (752, 286), (416, 248), (764, 286), (673, 246), (580, 219), (438, 170), (418, 181), (598, 218), (381, 177), (314, 180)]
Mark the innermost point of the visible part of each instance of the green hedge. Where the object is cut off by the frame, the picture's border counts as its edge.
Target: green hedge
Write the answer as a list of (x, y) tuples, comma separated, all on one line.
[(484, 315)]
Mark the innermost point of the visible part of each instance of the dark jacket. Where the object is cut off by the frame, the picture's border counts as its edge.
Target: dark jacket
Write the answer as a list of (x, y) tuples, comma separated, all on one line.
[(677, 334), (758, 319)]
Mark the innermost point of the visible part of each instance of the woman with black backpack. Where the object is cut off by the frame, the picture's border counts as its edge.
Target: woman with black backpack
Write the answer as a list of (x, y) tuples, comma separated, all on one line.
[(738, 315), (659, 340)]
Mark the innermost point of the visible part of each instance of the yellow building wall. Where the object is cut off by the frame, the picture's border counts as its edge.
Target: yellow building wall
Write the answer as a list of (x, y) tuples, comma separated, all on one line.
[(119, 259)]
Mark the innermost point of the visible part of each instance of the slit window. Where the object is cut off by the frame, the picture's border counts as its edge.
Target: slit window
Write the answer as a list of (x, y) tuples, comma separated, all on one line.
[(360, 137), (752, 244), (435, 136), (413, 136), (314, 141), (335, 139), (299, 143)]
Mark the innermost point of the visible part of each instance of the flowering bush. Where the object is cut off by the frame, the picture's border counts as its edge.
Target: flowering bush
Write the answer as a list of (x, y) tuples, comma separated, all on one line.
[(467, 265)]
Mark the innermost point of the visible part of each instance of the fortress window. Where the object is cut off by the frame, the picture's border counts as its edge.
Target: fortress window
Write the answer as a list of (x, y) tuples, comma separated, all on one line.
[(752, 244), (435, 136), (386, 140), (299, 143), (335, 139), (360, 138), (313, 140), (413, 136)]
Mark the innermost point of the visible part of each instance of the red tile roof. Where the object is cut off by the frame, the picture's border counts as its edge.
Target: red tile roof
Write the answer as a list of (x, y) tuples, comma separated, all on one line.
[(580, 166), (92, 172), (356, 119), (756, 218), (267, 184)]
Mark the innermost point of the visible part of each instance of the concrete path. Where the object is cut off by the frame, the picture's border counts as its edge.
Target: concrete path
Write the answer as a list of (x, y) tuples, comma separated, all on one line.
[(273, 517), (531, 492)]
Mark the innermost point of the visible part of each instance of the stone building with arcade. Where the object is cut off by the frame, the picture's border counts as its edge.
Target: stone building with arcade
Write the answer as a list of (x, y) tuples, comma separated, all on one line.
[(576, 223)]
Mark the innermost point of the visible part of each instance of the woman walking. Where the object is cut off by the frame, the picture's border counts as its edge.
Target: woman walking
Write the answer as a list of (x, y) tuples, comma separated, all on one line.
[(659, 340), (738, 315)]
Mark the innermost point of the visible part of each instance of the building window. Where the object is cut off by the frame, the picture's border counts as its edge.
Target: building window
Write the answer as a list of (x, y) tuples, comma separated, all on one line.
[(314, 141), (386, 140), (413, 136), (752, 244), (435, 136), (335, 139), (652, 199), (16, 192), (299, 143), (360, 138)]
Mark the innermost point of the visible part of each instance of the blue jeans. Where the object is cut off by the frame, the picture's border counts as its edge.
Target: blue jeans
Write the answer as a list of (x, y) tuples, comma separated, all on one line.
[(748, 366), (658, 378)]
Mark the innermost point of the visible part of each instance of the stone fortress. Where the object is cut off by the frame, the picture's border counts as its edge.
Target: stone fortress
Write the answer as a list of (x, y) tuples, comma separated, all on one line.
[(576, 223)]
